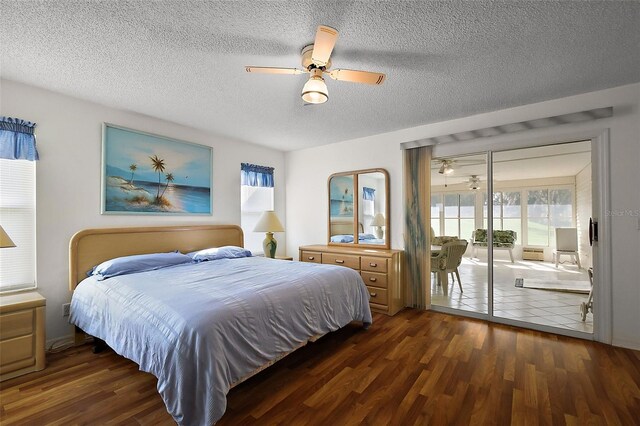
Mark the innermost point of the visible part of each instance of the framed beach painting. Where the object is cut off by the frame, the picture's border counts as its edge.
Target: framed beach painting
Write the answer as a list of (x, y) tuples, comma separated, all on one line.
[(143, 173), (341, 196)]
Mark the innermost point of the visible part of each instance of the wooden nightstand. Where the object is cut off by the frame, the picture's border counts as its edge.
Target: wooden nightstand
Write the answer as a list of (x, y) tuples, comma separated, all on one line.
[(22, 334)]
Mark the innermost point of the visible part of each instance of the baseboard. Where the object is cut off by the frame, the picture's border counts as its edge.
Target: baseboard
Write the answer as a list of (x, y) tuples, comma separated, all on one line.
[(64, 341), (628, 344)]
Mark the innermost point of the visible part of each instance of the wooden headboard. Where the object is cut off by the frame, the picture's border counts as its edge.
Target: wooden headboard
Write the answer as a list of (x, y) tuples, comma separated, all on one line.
[(344, 228), (91, 247)]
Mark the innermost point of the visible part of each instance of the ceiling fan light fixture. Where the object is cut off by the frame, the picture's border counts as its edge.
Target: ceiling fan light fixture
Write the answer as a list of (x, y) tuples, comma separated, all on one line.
[(316, 60), (315, 90), (445, 168), (474, 183)]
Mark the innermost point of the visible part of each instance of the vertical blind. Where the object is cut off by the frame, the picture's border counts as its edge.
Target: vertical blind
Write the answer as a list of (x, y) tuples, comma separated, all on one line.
[(417, 191), (17, 217)]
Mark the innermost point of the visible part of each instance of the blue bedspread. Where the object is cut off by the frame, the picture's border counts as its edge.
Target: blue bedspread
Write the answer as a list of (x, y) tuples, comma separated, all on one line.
[(200, 328)]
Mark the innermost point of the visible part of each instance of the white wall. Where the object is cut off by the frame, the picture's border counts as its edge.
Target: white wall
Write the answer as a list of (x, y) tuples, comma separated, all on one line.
[(583, 213), (307, 172), (69, 136)]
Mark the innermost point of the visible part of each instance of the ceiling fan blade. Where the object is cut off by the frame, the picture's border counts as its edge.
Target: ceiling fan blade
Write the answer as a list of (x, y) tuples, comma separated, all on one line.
[(326, 38), (273, 70), (365, 77)]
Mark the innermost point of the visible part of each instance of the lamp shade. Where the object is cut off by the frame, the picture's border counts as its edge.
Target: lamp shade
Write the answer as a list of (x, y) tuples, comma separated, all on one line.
[(378, 220), (268, 222), (5, 241), (315, 91)]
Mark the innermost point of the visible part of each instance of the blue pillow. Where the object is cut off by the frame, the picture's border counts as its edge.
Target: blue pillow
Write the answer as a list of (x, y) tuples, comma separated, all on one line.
[(215, 253), (138, 263), (366, 237), (342, 238)]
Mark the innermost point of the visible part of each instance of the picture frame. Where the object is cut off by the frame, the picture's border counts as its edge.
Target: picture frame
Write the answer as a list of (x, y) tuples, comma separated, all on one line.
[(148, 174)]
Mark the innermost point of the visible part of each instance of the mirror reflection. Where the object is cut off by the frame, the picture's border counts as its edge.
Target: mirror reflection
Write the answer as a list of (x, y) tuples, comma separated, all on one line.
[(371, 212), (358, 206), (341, 208)]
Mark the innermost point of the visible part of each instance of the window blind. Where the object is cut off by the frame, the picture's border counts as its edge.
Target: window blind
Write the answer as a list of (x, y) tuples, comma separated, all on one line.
[(17, 217)]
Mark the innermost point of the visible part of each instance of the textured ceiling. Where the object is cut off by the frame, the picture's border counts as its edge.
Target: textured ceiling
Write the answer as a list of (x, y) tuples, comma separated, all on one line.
[(184, 61)]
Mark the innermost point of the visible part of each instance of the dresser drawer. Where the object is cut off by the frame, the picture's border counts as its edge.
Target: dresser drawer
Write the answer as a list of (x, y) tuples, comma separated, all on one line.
[(374, 279), (13, 324), (17, 349), (347, 260), (374, 264), (378, 295), (311, 256)]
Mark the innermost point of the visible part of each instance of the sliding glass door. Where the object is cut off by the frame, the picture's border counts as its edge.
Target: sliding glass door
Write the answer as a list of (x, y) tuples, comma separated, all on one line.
[(541, 256), (523, 216), (458, 186)]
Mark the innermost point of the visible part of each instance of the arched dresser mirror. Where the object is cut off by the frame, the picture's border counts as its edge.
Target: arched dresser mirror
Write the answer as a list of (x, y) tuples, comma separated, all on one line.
[(358, 208)]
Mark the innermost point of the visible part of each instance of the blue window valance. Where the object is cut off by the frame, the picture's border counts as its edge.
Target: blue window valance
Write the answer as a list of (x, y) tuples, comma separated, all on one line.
[(253, 175), (17, 140), (368, 193)]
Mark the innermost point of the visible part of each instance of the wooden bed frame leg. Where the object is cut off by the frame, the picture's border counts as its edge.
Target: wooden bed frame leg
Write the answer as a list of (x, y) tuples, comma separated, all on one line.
[(79, 338), (99, 345)]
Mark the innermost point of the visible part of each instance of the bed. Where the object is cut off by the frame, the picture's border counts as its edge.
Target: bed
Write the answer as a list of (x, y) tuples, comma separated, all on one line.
[(202, 328)]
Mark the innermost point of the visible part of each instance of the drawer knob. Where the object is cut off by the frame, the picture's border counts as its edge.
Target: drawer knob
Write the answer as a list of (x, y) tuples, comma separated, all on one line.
[(339, 261), (373, 279), (373, 294), (373, 265), (311, 257)]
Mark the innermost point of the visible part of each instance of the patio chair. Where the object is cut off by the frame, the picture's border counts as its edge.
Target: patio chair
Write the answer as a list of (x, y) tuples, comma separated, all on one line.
[(586, 307), (567, 244), (447, 261)]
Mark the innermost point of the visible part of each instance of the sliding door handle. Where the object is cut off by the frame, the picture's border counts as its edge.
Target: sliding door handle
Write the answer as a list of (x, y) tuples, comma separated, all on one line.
[(593, 231)]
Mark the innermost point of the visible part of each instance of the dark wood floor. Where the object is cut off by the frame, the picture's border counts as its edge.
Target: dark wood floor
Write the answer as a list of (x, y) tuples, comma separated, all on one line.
[(414, 368)]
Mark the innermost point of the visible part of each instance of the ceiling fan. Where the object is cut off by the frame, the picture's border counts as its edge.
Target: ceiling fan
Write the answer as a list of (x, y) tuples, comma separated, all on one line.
[(446, 167), (316, 61), (474, 182)]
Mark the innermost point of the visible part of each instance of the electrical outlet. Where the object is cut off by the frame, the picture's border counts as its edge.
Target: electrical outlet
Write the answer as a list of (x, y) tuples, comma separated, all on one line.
[(66, 308)]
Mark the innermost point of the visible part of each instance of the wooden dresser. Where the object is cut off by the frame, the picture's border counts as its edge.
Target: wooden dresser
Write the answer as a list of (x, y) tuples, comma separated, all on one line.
[(381, 270), (22, 334)]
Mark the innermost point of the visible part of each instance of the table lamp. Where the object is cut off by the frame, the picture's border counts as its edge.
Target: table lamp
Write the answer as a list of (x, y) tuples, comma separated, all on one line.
[(5, 241), (378, 220), (269, 223)]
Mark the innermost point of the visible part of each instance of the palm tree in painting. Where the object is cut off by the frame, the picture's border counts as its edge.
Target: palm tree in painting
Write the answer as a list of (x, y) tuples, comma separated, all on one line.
[(133, 167), (157, 164), (169, 178)]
